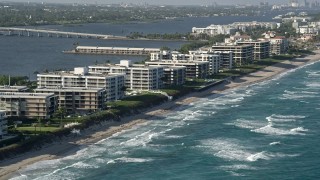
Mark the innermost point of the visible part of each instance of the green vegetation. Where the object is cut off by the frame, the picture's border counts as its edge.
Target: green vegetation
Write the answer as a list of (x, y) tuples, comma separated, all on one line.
[(135, 104), (21, 14)]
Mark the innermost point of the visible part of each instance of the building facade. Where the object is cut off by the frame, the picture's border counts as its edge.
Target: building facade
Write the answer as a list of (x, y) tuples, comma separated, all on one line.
[(261, 48), (194, 69), (13, 88), (3, 124), (137, 77), (30, 105), (81, 78), (242, 54), (77, 100), (115, 50)]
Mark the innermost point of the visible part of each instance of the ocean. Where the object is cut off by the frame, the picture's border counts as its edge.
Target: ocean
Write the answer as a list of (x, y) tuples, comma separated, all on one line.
[(268, 130)]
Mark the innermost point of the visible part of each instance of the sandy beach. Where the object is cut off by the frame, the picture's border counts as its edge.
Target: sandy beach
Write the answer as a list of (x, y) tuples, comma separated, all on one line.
[(71, 144)]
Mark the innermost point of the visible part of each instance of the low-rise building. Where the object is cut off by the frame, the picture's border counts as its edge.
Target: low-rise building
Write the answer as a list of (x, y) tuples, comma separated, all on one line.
[(137, 76), (30, 105), (13, 88), (3, 124), (76, 100), (80, 77), (115, 50), (194, 69)]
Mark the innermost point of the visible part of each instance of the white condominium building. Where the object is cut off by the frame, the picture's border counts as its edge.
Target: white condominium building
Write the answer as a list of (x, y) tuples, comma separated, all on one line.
[(137, 77), (278, 45), (80, 77), (78, 99), (194, 69), (261, 48), (3, 124), (242, 54), (213, 59), (30, 105)]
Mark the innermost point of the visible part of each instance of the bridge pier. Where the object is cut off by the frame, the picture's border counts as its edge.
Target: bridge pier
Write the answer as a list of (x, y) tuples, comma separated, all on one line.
[(49, 35)]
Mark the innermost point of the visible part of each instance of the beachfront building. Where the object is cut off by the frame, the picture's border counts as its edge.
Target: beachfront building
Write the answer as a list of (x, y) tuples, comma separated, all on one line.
[(78, 100), (30, 105), (115, 50), (194, 69), (14, 88), (278, 45), (173, 75), (244, 26), (137, 76), (213, 59), (3, 124), (81, 78), (242, 54), (261, 48), (214, 30)]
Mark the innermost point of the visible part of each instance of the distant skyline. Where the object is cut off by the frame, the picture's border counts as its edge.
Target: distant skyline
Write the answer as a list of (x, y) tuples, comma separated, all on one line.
[(157, 2)]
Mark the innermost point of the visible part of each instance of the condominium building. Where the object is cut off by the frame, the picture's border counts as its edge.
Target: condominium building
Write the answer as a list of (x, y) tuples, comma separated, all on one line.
[(194, 69), (226, 59), (137, 77), (13, 88), (173, 75), (242, 54), (213, 59), (261, 48), (77, 100), (115, 50), (3, 124), (30, 105), (80, 77), (278, 45)]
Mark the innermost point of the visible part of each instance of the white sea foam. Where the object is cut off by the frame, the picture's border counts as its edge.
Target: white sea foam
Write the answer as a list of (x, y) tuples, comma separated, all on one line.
[(276, 118), (275, 143), (269, 129), (82, 165), (247, 124), (230, 149), (132, 160), (258, 156), (295, 95), (299, 129)]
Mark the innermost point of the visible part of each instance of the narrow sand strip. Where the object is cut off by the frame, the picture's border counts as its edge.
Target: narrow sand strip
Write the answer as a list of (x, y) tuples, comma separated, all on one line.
[(71, 144)]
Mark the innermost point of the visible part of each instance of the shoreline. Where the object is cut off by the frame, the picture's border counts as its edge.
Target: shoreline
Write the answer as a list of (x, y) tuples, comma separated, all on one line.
[(71, 144)]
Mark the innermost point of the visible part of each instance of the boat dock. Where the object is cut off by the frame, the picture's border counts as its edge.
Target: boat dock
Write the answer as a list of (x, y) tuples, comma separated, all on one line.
[(113, 50), (10, 31)]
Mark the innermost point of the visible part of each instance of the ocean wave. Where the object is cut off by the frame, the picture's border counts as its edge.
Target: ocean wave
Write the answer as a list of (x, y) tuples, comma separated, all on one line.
[(298, 95), (275, 143), (247, 124), (275, 118), (270, 130), (230, 149), (82, 165), (132, 160)]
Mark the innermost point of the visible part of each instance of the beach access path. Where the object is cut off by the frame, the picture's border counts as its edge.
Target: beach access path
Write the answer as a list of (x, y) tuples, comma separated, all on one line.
[(71, 144)]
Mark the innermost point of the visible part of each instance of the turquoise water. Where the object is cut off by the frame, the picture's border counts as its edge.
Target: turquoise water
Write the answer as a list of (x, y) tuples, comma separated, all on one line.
[(269, 130)]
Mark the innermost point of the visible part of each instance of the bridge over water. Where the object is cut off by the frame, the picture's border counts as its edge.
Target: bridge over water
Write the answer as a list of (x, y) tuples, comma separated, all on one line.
[(10, 31)]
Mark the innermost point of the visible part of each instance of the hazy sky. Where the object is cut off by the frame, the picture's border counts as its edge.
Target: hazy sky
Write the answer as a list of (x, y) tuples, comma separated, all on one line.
[(172, 2)]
